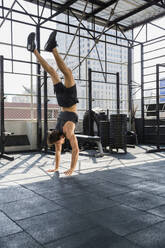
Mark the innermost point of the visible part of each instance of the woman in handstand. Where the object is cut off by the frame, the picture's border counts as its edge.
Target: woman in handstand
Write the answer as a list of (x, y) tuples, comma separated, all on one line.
[(67, 99)]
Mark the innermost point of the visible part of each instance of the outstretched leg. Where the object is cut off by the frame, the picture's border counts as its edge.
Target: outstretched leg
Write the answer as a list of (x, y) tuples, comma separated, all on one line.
[(68, 76), (31, 46), (49, 69), (50, 46)]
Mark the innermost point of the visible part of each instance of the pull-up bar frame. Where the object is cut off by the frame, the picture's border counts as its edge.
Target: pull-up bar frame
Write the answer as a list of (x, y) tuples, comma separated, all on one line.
[(90, 71)]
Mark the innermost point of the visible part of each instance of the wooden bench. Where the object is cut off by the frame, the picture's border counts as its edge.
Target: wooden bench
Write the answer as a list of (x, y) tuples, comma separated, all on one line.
[(91, 139)]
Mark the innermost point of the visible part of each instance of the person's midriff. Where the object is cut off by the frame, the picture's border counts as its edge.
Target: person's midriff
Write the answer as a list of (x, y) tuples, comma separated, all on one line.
[(70, 109)]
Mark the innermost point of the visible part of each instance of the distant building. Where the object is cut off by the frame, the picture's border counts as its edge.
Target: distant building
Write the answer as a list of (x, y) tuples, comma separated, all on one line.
[(162, 90)]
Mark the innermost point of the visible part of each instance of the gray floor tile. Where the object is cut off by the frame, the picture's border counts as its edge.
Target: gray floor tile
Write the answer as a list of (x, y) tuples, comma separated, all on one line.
[(88, 202), (82, 218), (151, 237), (19, 240), (95, 238), (14, 193), (140, 200), (55, 225), (44, 186), (56, 186), (7, 226), (28, 207), (108, 189), (122, 219), (133, 172), (53, 195), (124, 244), (149, 186), (160, 211), (123, 179)]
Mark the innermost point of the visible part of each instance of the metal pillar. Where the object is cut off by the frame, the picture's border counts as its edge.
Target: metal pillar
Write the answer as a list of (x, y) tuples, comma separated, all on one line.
[(90, 98), (142, 90), (39, 123), (1, 106), (157, 107), (2, 116), (130, 84), (45, 112), (118, 92)]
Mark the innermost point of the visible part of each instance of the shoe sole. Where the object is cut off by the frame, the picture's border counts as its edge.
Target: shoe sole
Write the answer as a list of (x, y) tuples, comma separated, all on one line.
[(52, 39), (31, 39)]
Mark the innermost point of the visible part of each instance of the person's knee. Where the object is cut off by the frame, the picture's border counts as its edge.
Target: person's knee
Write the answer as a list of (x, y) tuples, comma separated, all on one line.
[(68, 72)]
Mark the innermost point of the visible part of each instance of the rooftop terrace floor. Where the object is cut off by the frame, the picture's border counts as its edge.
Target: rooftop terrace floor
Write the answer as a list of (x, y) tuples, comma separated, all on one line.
[(117, 201)]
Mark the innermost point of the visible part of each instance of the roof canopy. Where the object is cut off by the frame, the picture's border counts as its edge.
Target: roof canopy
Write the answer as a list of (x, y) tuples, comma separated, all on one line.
[(128, 14)]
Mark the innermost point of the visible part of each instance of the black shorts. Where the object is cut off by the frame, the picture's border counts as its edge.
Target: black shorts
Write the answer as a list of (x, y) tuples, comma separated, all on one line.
[(63, 117), (66, 97)]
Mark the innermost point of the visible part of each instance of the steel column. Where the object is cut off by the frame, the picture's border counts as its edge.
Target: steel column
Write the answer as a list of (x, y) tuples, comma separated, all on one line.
[(90, 98), (142, 89), (157, 107), (39, 123), (118, 92), (45, 112), (1, 106), (130, 84), (2, 114)]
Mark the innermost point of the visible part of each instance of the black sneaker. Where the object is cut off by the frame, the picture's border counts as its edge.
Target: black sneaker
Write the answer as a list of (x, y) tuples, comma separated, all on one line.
[(51, 43), (31, 42)]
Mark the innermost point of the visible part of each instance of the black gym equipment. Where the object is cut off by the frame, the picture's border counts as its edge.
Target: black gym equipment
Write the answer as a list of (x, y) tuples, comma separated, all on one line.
[(118, 132), (91, 139), (3, 134), (96, 117)]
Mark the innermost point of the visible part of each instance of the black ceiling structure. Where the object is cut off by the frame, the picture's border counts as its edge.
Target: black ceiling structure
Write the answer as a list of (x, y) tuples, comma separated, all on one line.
[(135, 13)]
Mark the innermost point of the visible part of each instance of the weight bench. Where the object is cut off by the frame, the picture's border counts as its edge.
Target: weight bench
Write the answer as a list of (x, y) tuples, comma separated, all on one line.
[(2, 155), (91, 139)]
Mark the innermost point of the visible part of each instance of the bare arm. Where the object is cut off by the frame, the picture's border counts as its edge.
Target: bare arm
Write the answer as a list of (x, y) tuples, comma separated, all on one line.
[(74, 144), (58, 148), (75, 151)]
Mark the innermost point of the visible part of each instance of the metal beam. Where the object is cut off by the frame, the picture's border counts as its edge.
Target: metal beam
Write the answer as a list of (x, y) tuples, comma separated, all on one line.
[(153, 24), (157, 4), (97, 10), (55, 6), (96, 2), (131, 13), (60, 10), (137, 24), (7, 13), (26, 12)]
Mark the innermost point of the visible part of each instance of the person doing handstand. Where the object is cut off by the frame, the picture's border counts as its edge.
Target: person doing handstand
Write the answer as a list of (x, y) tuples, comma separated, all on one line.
[(66, 98)]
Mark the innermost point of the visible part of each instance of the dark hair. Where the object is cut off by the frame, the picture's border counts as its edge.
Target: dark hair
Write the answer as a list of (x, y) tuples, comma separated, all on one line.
[(53, 136)]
